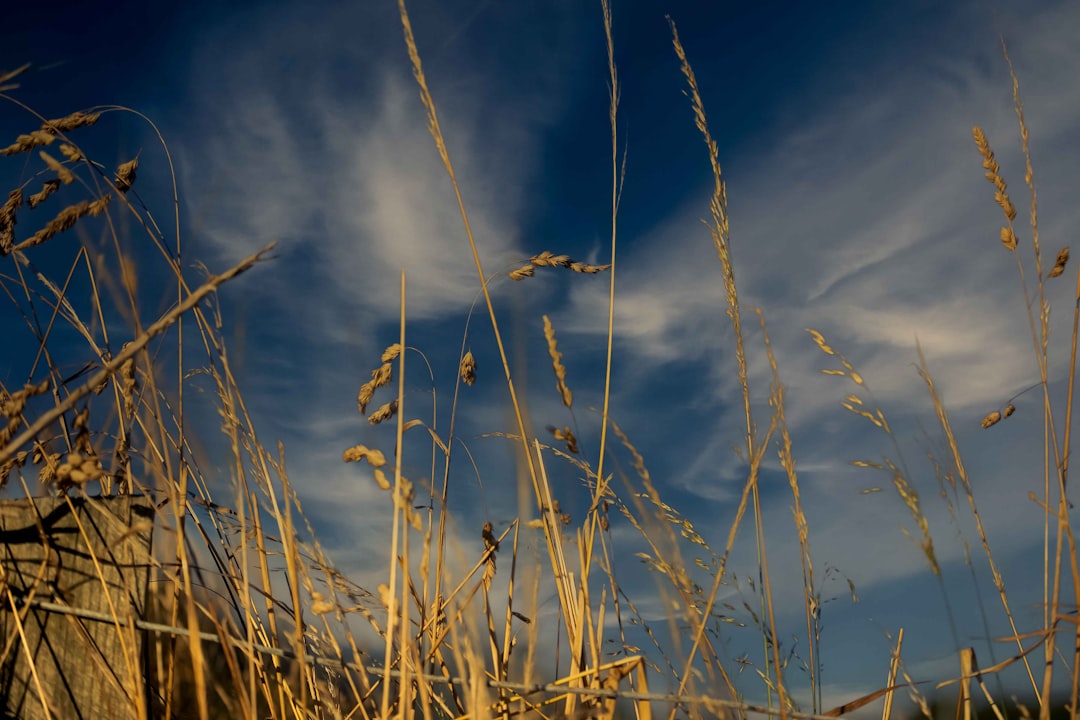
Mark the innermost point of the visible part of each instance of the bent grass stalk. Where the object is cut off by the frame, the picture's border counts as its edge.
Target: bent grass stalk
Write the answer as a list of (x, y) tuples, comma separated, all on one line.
[(445, 634)]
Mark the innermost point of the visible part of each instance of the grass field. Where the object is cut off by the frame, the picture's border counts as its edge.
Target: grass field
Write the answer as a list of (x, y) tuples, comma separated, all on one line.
[(251, 617)]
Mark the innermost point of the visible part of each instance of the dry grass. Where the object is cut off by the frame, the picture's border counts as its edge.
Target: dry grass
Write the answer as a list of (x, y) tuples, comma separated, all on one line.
[(247, 616)]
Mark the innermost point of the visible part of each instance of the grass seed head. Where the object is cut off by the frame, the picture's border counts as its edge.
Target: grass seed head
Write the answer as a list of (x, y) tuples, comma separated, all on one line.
[(557, 364), (48, 132), (488, 534), (65, 220), (379, 377), (23, 143), (819, 340), (549, 259), (63, 172), (526, 271), (367, 392), (382, 375), (319, 604), (129, 385), (467, 370), (580, 267), (125, 174), (390, 354), (375, 458), (1008, 238), (47, 189), (384, 413), (993, 175), (71, 152), (71, 122), (7, 221), (1059, 263), (992, 419), (566, 435)]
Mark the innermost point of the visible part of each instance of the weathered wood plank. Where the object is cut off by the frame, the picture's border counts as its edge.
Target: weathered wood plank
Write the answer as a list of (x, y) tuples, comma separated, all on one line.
[(90, 553)]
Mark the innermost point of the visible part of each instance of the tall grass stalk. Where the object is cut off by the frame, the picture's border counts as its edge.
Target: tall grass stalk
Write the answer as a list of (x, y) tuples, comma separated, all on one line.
[(256, 621)]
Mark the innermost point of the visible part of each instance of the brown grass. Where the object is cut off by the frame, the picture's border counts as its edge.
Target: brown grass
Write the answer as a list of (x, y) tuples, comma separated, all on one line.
[(249, 617)]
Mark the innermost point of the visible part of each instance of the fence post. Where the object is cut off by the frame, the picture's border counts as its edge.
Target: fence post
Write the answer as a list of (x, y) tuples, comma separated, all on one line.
[(87, 553)]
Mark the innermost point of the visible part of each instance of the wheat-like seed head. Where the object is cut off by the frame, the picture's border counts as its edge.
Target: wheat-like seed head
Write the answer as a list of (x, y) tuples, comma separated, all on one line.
[(125, 174), (384, 413), (128, 385), (74, 120), (382, 375), (23, 143), (997, 416), (379, 377), (557, 364), (367, 392), (391, 353), (48, 131), (1059, 263), (580, 267), (65, 220), (1008, 237), (549, 259), (374, 457), (62, 172), (7, 221), (467, 369), (1001, 195), (47, 189), (525, 271), (819, 340), (72, 153), (566, 435), (18, 460)]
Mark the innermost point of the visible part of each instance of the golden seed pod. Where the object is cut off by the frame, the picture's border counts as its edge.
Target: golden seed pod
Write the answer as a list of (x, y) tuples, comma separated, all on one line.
[(319, 605), (125, 175), (47, 189), (488, 534), (525, 271), (557, 364), (374, 457), (367, 391), (1059, 263), (391, 353), (467, 370), (384, 413), (1008, 238)]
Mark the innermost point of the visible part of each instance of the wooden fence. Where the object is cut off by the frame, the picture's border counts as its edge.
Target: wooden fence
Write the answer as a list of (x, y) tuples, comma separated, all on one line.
[(88, 553)]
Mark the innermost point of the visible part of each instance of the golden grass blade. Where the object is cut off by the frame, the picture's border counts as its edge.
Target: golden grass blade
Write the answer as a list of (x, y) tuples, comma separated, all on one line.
[(9, 75), (114, 365)]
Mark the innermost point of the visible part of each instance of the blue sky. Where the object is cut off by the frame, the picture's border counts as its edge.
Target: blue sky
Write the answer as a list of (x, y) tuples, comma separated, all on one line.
[(857, 207)]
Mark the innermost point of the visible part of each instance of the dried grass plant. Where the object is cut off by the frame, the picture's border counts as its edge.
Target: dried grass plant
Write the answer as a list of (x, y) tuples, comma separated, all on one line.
[(249, 618)]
